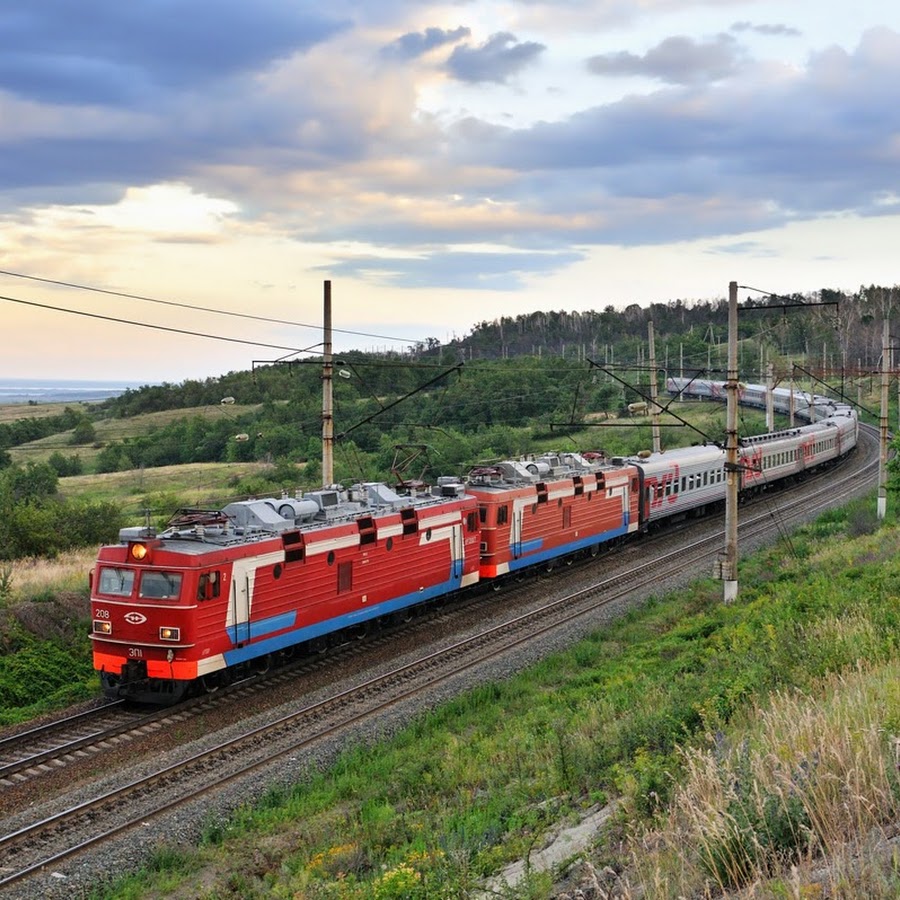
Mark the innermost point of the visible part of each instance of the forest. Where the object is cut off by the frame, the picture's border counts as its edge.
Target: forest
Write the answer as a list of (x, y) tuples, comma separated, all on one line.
[(508, 386)]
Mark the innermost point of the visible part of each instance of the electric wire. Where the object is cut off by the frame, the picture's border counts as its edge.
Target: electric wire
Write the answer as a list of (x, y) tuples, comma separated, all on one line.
[(220, 312), (168, 328)]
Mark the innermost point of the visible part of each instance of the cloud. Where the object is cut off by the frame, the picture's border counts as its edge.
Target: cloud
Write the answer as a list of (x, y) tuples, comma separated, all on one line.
[(494, 61), (114, 53), (497, 271), (320, 141), (769, 30), (417, 43), (676, 60)]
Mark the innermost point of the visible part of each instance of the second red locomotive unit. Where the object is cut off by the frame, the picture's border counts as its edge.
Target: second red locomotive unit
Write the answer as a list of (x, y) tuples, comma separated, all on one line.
[(223, 592)]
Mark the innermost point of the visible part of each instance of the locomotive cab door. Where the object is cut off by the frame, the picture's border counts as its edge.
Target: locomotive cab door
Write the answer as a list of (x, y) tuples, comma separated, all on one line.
[(515, 534), (457, 552), (237, 624)]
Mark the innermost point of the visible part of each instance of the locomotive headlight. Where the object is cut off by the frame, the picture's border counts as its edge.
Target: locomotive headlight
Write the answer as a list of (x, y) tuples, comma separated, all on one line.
[(139, 551), (101, 626), (169, 634)]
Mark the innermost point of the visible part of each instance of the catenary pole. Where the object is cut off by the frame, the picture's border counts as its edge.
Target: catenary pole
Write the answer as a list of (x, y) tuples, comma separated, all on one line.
[(327, 395), (729, 566), (883, 421), (654, 406)]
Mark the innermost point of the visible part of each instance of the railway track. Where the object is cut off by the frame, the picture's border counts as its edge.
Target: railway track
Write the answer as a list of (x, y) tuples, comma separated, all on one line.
[(112, 813)]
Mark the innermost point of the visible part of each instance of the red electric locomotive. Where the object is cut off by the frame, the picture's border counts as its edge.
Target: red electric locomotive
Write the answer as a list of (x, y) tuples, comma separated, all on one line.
[(222, 591), (536, 510)]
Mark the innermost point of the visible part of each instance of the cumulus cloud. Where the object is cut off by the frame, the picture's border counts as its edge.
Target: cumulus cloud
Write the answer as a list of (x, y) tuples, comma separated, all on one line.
[(677, 60), (500, 57), (418, 43)]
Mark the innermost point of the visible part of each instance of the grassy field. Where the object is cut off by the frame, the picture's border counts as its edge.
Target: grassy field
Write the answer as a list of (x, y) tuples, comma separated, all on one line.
[(195, 484), (108, 430), (752, 747), (9, 412)]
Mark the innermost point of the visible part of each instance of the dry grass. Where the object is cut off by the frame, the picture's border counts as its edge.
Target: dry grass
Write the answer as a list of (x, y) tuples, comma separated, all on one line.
[(34, 576), (108, 430), (198, 481), (10, 412), (790, 809)]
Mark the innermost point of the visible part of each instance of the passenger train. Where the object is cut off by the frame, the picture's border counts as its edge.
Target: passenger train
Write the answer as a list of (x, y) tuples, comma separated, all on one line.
[(220, 593)]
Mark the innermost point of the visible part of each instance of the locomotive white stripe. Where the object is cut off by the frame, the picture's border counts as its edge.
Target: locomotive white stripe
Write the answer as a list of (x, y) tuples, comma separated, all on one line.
[(337, 543), (451, 518)]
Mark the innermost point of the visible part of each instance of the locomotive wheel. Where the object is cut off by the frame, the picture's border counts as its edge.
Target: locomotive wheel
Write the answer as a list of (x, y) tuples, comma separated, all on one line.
[(595, 549), (210, 683)]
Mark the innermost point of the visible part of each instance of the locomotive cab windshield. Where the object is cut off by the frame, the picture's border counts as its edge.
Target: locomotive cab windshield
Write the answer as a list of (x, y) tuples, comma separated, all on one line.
[(160, 585), (120, 581)]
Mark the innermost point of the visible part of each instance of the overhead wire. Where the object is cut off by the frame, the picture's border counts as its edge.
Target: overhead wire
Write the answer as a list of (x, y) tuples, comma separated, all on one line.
[(168, 328), (220, 312)]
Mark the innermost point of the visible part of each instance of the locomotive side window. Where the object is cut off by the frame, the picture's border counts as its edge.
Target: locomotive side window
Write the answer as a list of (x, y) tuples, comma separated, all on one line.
[(502, 515), (160, 585), (482, 514), (471, 521), (209, 586), (118, 582)]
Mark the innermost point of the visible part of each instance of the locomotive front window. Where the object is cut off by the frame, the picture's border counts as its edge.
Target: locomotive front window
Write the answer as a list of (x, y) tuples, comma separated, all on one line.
[(118, 582), (160, 585)]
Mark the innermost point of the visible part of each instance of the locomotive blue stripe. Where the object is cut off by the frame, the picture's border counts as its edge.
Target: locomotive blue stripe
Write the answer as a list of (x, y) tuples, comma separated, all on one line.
[(357, 617), (563, 549), (263, 626)]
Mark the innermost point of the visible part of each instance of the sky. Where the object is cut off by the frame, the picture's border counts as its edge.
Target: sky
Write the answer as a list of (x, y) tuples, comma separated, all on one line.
[(441, 164)]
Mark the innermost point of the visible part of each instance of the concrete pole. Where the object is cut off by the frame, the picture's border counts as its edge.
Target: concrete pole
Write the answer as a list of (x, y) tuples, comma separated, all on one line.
[(327, 395), (732, 456), (770, 397), (681, 370), (883, 422), (654, 406), (791, 406)]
